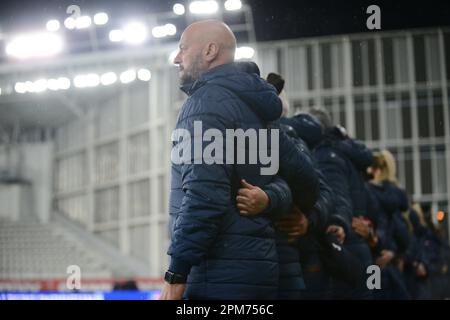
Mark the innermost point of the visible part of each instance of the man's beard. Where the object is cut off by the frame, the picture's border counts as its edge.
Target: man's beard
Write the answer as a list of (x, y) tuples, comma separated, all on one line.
[(193, 74)]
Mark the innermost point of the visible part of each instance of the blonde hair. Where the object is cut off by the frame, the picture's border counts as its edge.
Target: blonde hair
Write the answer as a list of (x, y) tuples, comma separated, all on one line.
[(385, 161), (391, 166)]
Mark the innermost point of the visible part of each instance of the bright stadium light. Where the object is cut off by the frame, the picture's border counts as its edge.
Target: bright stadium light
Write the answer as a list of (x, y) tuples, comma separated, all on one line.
[(244, 53), (164, 31), (40, 85), (93, 80), (20, 87), (144, 74), (203, 7), (29, 86), (101, 18), (86, 80), (63, 83), (108, 78), (178, 9), (232, 5), (52, 84), (171, 30), (79, 81), (159, 32), (70, 23), (135, 33), (34, 45), (52, 25), (128, 76), (116, 35), (83, 22)]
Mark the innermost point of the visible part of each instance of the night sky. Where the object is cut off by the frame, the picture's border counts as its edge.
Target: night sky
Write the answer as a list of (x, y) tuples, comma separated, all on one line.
[(273, 19)]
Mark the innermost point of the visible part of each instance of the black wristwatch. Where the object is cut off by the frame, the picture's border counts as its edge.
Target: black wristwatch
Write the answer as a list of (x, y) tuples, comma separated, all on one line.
[(173, 278)]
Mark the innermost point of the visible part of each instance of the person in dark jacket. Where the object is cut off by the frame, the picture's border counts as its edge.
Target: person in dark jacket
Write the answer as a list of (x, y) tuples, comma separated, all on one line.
[(392, 230), (417, 257), (308, 246), (291, 226), (297, 168), (215, 252), (342, 160), (431, 263)]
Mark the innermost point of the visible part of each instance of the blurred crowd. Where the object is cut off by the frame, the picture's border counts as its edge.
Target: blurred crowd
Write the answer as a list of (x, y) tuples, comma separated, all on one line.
[(377, 221)]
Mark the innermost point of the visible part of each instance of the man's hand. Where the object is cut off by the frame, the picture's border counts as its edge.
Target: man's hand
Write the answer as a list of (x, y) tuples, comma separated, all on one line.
[(338, 231), (295, 224), (172, 291), (385, 258), (251, 200), (361, 226), (420, 269)]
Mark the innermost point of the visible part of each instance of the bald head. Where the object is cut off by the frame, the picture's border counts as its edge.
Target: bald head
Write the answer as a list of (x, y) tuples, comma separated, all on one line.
[(212, 32), (204, 45)]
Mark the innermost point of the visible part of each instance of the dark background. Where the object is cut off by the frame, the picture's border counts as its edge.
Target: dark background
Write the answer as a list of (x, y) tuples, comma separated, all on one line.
[(273, 19)]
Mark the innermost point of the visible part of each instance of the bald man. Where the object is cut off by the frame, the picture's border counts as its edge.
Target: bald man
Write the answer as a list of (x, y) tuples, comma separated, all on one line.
[(215, 252), (203, 46)]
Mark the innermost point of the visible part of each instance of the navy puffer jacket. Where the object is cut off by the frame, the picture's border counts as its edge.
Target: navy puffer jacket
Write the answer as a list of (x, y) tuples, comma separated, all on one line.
[(227, 256), (391, 228), (341, 160)]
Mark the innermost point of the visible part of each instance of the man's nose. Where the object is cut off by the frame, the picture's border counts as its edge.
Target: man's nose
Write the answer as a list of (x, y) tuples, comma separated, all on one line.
[(177, 59)]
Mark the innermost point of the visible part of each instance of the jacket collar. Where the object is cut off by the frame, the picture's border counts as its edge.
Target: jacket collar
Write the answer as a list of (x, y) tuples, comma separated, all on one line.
[(216, 72)]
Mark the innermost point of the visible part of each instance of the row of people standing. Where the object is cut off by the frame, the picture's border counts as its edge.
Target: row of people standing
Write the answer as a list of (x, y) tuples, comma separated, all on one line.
[(236, 233), (361, 218), (380, 224)]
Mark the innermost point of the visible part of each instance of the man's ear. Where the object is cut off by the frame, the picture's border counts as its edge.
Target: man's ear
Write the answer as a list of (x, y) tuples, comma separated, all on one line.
[(211, 51)]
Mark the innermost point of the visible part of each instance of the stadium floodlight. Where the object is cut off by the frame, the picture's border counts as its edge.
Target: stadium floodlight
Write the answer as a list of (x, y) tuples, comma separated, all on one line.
[(40, 85), (172, 56), (34, 45), (92, 80), (70, 23), (20, 87), (232, 5), (83, 22), (79, 81), (135, 33), (128, 76), (29, 86), (86, 80), (108, 78), (144, 74), (52, 25), (116, 35), (171, 29), (164, 31), (159, 32), (101, 18), (52, 84), (244, 53), (178, 9), (203, 7), (63, 83)]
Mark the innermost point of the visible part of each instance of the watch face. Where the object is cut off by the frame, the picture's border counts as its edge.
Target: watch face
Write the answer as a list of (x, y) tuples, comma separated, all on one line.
[(169, 277), (172, 277)]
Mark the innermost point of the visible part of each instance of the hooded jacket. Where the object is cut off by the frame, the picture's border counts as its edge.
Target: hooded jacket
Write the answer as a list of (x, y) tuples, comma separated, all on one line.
[(226, 255)]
